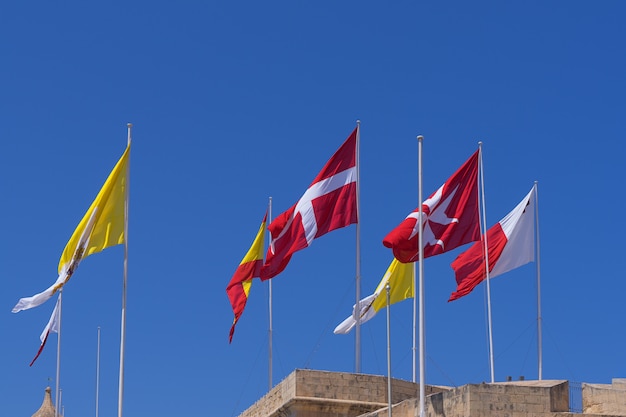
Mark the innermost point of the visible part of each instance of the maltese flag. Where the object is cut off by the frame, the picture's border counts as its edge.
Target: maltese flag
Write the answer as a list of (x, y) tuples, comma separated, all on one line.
[(450, 218), (510, 244), (329, 203)]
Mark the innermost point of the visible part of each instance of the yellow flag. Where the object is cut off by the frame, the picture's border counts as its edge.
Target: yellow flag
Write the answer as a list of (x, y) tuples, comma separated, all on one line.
[(110, 222), (400, 278)]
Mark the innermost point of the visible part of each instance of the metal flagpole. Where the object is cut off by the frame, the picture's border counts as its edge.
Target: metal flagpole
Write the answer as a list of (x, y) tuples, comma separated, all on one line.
[(539, 337), (422, 342), (124, 285), (486, 252), (98, 372), (388, 288), (357, 333), (270, 329), (57, 390), (414, 322)]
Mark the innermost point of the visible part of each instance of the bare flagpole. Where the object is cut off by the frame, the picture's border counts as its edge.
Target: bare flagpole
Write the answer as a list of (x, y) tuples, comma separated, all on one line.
[(120, 401), (98, 372), (388, 288), (486, 252), (57, 394), (270, 328), (422, 324), (537, 248), (357, 333)]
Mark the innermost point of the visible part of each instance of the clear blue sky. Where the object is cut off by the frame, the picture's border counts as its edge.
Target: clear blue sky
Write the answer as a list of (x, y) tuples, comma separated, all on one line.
[(235, 102)]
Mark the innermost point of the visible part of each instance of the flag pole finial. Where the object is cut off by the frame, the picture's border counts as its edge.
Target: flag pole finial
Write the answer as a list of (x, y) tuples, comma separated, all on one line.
[(420, 137), (129, 126)]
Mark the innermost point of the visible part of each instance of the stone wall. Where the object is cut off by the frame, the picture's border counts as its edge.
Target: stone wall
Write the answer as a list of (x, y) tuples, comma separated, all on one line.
[(306, 393), (529, 398), (605, 398)]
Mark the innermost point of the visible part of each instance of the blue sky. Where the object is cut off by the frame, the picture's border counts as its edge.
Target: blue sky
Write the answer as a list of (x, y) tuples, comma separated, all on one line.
[(235, 102)]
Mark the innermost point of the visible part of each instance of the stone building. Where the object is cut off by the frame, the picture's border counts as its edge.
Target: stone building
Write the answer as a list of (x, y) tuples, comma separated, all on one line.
[(307, 393)]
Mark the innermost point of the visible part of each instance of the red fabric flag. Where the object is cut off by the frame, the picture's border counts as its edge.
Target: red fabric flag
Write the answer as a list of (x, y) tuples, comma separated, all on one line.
[(250, 267), (510, 244), (450, 218), (329, 203)]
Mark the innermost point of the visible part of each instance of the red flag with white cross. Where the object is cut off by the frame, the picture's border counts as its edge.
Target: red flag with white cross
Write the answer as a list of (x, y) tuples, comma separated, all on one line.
[(450, 218), (329, 203)]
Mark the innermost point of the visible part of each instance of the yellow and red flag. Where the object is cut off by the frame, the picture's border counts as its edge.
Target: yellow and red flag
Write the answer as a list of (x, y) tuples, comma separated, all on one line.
[(250, 267)]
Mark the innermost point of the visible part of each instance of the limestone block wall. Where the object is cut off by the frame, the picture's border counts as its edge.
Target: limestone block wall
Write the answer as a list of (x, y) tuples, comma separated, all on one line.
[(535, 399), (605, 398), (354, 387), (306, 393), (519, 399), (273, 401)]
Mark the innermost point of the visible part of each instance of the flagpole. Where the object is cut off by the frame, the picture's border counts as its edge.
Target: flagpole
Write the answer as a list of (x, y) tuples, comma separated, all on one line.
[(270, 327), (57, 390), (358, 250), (539, 332), (414, 348), (388, 288), (422, 324), (98, 372), (486, 252), (124, 285)]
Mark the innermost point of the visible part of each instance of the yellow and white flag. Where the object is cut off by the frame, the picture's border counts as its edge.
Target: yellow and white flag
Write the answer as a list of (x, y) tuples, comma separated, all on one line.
[(400, 278), (101, 227)]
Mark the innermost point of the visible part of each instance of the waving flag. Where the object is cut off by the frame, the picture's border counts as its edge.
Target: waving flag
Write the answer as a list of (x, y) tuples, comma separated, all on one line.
[(51, 327), (101, 227), (510, 244), (399, 276), (450, 217), (250, 267), (329, 203)]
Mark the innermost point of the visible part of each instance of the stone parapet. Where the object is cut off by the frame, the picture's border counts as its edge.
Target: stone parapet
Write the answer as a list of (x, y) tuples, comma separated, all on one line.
[(512, 399), (605, 398), (308, 393)]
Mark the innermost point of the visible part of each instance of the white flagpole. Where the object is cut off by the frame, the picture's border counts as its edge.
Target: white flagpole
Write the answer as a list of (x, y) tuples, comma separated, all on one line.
[(357, 333), (422, 324), (388, 288), (270, 328), (537, 248), (486, 252), (124, 285), (58, 383), (98, 372), (414, 348)]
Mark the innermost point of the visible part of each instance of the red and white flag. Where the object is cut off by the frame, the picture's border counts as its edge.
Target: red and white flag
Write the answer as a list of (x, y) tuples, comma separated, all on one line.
[(450, 218), (510, 244), (329, 203), (51, 327)]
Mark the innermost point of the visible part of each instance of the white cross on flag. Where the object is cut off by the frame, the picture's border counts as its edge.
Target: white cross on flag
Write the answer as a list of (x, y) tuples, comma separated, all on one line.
[(329, 203), (450, 218)]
